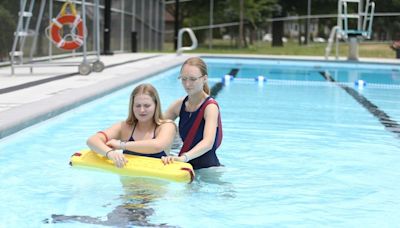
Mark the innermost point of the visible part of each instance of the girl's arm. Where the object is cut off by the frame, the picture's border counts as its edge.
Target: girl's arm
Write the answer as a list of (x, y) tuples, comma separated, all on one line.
[(173, 111), (98, 143), (163, 141), (210, 129)]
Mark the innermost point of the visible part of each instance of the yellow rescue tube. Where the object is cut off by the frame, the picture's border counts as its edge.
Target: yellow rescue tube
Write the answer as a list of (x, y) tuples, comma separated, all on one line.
[(136, 166)]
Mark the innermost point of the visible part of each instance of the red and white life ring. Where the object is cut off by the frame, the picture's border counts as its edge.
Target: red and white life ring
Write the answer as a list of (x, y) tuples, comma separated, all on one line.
[(77, 32)]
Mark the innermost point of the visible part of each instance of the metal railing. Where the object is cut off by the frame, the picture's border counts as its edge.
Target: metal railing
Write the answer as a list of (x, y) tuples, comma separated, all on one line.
[(180, 49)]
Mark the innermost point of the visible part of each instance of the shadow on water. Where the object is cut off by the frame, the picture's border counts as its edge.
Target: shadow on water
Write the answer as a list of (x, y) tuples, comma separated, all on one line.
[(140, 193), (135, 210)]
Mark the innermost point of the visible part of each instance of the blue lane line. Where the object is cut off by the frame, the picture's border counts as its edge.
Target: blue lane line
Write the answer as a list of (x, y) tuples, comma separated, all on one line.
[(390, 124), (219, 85)]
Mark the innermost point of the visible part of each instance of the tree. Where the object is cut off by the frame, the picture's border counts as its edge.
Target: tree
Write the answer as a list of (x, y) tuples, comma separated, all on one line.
[(242, 38), (255, 14), (387, 27), (7, 28), (287, 7), (195, 13)]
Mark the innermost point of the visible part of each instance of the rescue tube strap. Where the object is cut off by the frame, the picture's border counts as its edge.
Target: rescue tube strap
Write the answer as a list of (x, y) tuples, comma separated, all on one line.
[(104, 134), (192, 132)]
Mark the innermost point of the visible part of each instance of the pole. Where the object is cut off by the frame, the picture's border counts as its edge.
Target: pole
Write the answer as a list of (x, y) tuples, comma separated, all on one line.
[(162, 24), (241, 35), (133, 29), (308, 22), (211, 23), (176, 24), (107, 27)]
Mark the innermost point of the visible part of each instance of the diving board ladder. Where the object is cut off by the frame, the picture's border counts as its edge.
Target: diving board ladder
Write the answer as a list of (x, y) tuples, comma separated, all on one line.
[(354, 22), (23, 31)]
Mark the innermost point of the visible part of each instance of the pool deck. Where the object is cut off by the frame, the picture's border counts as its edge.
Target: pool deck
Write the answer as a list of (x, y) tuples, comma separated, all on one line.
[(26, 99)]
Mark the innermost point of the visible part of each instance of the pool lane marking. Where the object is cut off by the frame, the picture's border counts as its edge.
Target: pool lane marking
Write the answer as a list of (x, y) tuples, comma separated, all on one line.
[(62, 76), (219, 85), (390, 124), (234, 72)]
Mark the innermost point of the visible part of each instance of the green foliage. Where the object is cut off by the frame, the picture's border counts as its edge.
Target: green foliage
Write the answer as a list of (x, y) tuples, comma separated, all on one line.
[(7, 28), (256, 12), (292, 48), (11, 6), (196, 13)]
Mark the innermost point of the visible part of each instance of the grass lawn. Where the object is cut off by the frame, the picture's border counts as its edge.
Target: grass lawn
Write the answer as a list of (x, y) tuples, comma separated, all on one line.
[(368, 50)]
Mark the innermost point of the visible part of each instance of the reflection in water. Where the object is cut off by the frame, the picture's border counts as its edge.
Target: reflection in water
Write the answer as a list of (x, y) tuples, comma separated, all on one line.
[(135, 211), (142, 194)]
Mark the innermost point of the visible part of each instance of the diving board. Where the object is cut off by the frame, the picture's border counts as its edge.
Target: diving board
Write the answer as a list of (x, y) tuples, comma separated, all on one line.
[(354, 23)]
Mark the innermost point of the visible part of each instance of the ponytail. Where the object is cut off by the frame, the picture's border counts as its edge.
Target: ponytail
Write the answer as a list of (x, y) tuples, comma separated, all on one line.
[(206, 89)]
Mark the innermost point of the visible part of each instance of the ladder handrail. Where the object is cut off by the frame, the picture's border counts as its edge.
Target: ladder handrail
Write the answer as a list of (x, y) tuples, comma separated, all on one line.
[(19, 26), (365, 15), (346, 22), (370, 19), (39, 19), (28, 21), (192, 36), (331, 39)]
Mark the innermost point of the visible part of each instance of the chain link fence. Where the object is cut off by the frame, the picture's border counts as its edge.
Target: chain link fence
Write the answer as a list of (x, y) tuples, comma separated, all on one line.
[(136, 25)]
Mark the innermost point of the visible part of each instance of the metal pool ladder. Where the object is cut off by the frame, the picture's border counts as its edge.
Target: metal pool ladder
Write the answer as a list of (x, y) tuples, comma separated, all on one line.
[(180, 49)]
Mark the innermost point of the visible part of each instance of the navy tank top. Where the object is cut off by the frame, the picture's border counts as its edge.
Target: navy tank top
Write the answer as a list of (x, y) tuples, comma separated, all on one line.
[(156, 155), (186, 120)]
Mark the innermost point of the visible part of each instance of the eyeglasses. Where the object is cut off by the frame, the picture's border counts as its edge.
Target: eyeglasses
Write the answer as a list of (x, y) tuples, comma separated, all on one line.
[(190, 78)]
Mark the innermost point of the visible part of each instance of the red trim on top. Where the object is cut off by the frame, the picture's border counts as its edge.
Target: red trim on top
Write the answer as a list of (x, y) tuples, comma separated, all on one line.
[(190, 172), (104, 134)]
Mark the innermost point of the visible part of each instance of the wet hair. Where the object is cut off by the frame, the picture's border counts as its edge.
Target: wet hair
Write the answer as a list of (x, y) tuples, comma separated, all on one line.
[(147, 89), (202, 66)]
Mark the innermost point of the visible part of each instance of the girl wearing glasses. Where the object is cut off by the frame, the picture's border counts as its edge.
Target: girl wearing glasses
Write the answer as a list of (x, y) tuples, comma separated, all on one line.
[(205, 139), (143, 133)]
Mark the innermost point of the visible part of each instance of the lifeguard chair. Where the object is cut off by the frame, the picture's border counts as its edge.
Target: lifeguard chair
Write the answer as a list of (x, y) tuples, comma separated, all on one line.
[(354, 23)]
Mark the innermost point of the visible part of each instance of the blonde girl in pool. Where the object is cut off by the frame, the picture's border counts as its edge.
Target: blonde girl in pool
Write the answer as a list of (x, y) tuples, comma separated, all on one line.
[(199, 118), (144, 132)]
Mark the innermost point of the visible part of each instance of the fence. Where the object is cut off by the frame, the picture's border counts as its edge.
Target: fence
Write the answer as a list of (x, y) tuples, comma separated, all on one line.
[(131, 20)]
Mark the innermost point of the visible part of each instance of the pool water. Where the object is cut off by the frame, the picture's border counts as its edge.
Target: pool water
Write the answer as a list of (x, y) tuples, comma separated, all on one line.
[(297, 151)]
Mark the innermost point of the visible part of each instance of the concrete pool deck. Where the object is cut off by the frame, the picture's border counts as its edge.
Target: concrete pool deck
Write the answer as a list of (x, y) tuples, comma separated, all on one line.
[(26, 99)]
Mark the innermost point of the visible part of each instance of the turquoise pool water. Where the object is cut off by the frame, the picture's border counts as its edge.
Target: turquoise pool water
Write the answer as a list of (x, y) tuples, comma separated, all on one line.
[(298, 151)]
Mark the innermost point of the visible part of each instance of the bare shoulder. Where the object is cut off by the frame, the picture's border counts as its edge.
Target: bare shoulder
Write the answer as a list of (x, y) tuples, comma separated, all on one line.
[(167, 127), (125, 129), (211, 110), (123, 124), (212, 107), (168, 124)]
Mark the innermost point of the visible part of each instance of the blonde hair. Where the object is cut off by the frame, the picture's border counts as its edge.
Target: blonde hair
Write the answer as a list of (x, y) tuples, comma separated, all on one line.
[(202, 66), (147, 89)]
